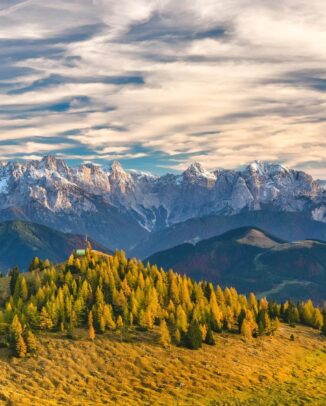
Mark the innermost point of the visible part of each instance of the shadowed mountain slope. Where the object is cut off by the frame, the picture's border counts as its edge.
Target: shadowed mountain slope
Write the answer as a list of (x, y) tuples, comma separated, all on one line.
[(21, 241), (285, 225), (252, 260)]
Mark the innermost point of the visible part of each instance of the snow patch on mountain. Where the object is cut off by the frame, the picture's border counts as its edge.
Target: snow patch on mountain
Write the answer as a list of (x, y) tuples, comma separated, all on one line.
[(321, 183), (4, 185), (154, 202), (319, 214)]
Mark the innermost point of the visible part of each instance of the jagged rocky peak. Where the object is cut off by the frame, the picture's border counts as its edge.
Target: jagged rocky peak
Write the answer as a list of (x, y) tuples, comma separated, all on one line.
[(116, 167), (117, 172), (143, 176), (158, 201), (196, 167), (52, 163), (91, 169), (92, 178), (266, 168), (120, 181), (197, 170)]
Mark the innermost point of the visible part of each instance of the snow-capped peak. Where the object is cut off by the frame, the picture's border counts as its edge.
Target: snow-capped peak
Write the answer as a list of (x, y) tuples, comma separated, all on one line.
[(197, 170), (268, 168), (142, 174), (154, 201), (52, 163), (117, 167)]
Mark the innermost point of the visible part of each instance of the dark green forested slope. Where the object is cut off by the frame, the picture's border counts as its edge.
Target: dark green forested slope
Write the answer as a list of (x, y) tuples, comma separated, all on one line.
[(287, 226), (21, 241), (252, 260)]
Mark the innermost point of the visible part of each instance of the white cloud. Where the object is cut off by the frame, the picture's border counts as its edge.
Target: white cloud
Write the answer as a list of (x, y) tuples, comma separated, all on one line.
[(256, 92)]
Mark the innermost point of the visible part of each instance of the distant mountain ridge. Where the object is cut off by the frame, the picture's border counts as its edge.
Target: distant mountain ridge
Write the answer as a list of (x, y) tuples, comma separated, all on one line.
[(251, 260), (21, 241), (287, 226), (120, 208)]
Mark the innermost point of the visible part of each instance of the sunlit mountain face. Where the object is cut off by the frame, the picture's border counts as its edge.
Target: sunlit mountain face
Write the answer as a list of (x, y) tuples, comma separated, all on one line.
[(161, 84), (120, 208)]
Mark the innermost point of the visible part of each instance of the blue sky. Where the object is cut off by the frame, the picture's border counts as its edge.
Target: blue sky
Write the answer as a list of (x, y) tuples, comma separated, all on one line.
[(159, 84)]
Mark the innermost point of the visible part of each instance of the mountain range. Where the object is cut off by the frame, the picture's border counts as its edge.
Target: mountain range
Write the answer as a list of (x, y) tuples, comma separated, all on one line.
[(199, 222), (120, 209), (251, 260)]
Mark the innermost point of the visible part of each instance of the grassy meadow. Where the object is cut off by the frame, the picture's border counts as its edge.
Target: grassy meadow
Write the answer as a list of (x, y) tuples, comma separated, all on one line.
[(265, 371)]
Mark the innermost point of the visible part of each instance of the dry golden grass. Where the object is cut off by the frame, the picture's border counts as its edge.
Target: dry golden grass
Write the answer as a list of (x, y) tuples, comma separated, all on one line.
[(265, 371)]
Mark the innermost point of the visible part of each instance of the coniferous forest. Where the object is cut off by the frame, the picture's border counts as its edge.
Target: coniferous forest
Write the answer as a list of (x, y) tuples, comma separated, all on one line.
[(100, 292)]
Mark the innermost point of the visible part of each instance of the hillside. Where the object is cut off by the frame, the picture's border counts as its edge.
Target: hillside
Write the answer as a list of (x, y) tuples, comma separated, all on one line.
[(21, 241), (288, 226), (104, 329), (268, 371), (252, 260)]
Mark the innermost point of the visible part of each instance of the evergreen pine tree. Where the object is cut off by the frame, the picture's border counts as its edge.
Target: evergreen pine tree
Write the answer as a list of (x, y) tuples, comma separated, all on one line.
[(46, 264), (210, 340), (203, 329), (241, 317), (119, 322), (45, 320), (181, 321), (20, 347), (31, 342), (71, 330), (35, 264), (102, 324), (323, 329), (125, 336), (70, 261), (23, 289), (246, 329), (317, 319), (16, 327), (177, 337), (165, 338), (14, 275), (194, 336), (91, 331)]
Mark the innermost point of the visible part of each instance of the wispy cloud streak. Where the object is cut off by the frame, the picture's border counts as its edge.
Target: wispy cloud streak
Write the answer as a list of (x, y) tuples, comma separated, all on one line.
[(163, 83)]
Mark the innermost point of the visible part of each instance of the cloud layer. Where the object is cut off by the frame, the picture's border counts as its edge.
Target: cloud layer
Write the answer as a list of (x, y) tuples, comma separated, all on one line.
[(160, 84)]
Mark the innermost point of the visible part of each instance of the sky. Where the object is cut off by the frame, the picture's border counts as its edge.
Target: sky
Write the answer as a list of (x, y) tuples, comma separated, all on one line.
[(160, 84)]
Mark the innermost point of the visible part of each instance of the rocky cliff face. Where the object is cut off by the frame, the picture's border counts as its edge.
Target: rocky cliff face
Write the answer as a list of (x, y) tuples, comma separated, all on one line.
[(102, 201)]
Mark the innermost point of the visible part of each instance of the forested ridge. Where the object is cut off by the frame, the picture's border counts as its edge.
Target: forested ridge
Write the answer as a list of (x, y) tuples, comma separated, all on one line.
[(101, 292)]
